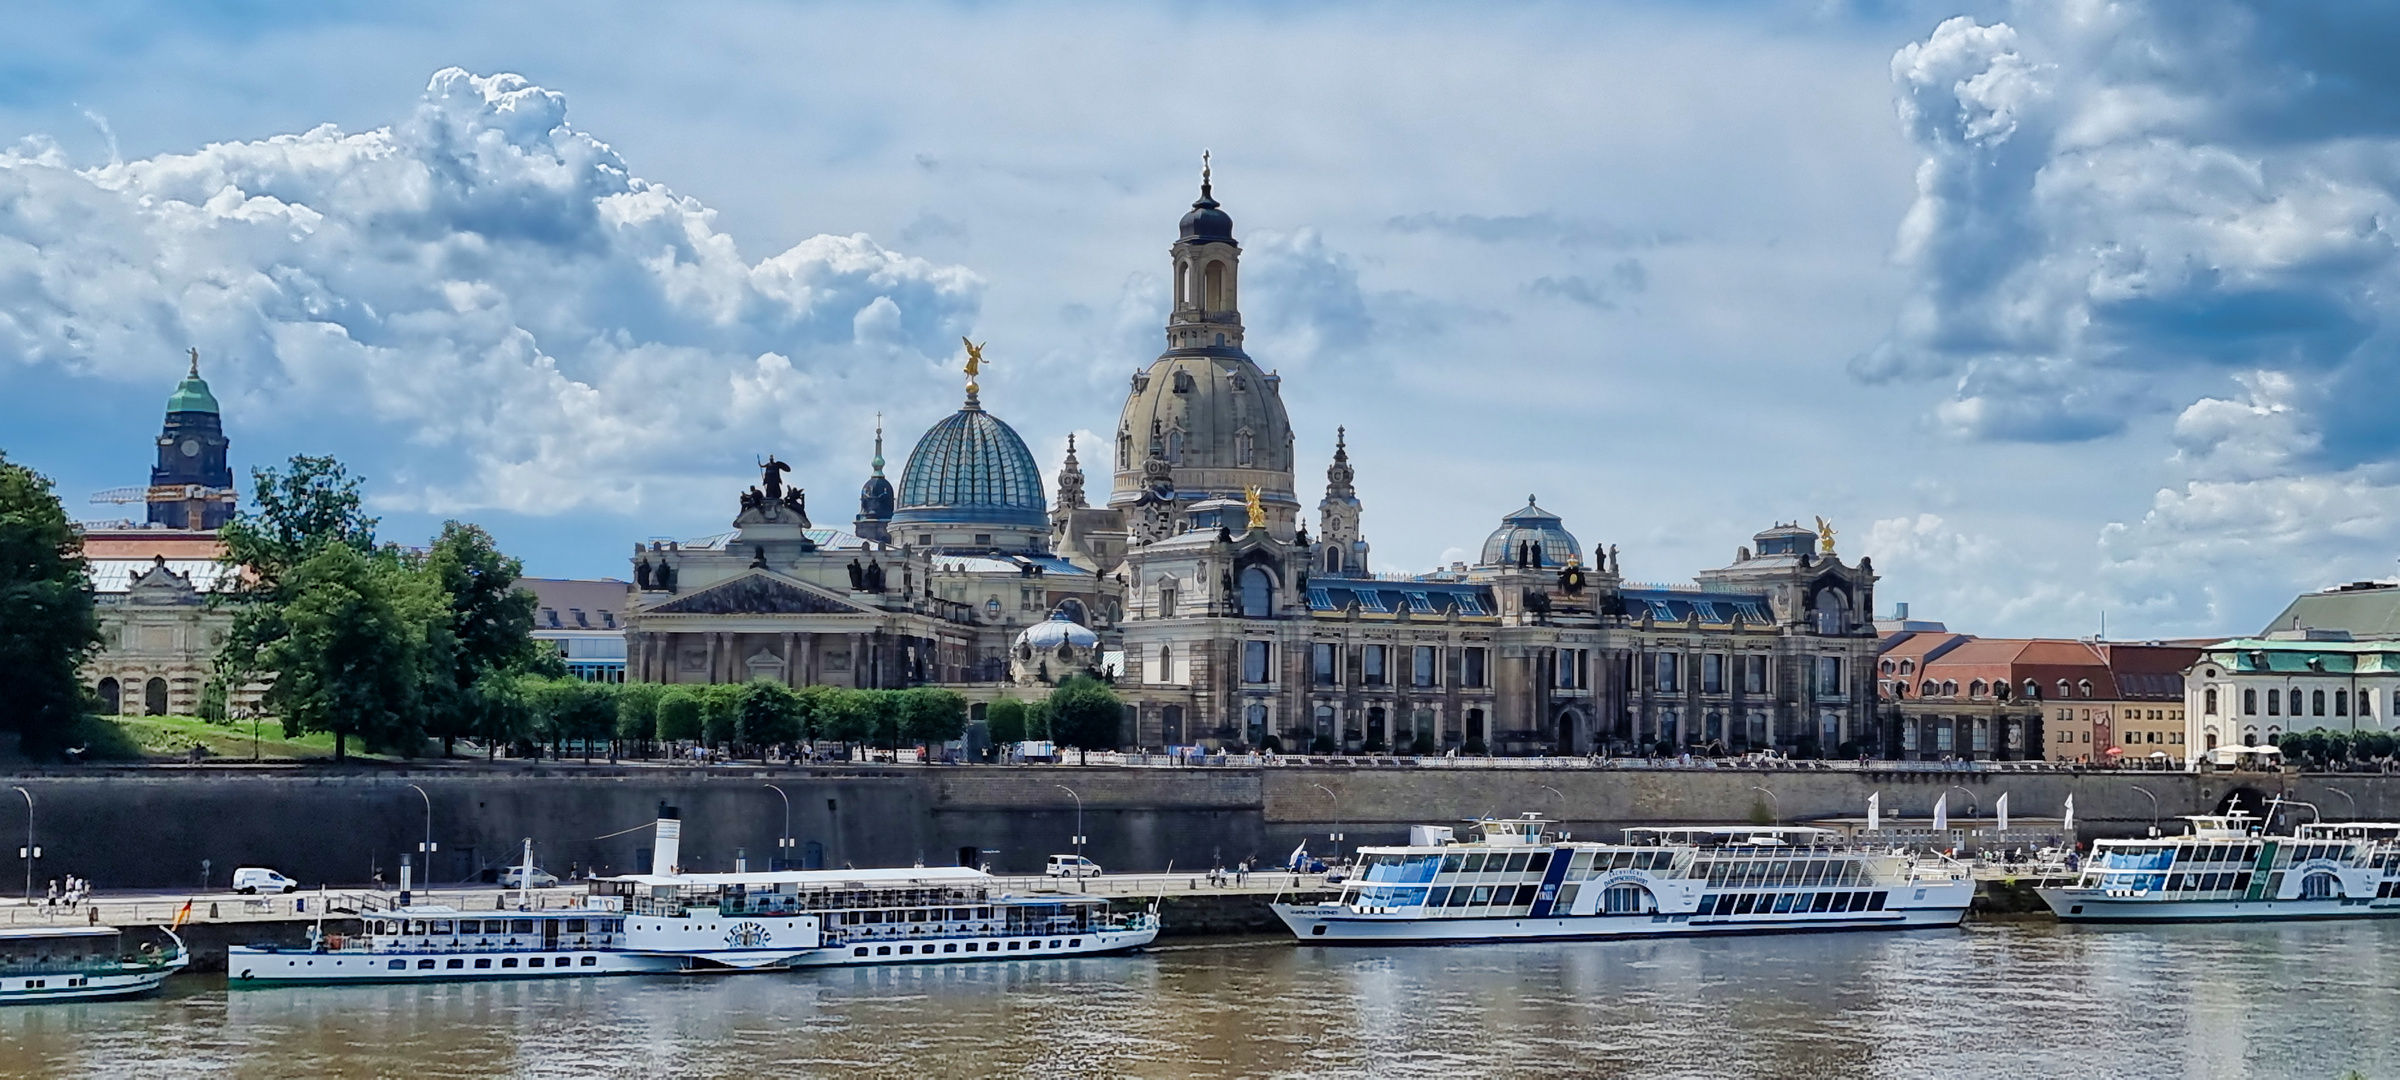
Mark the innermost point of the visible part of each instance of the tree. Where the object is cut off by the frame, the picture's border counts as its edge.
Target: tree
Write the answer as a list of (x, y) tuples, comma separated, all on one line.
[(500, 711), (347, 658), (48, 626), (314, 504), (637, 712), (681, 717), (883, 708), (769, 715), (930, 714), (487, 624), (569, 709), (848, 715), (1005, 720), (720, 710), (1086, 714)]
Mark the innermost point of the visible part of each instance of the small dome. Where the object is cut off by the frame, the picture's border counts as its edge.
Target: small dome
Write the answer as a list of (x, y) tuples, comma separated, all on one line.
[(191, 395), (972, 469), (1057, 630), (875, 499), (1536, 526), (1206, 222)]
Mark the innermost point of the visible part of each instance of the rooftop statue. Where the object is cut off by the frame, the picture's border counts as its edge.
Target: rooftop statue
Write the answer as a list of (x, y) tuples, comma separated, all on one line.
[(772, 478), (1258, 511), (1825, 534), (974, 364)]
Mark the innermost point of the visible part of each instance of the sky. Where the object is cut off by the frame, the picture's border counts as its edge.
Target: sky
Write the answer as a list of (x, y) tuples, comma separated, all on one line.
[(2066, 313)]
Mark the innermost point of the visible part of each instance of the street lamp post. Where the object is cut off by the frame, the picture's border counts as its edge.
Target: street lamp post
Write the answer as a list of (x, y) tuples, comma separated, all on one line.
[(2344, 794), (1771, 801), (783, 847), (1974, 805), (1336, 835), (2153, 807), (29, 852), (1078, 818), (426, 846)]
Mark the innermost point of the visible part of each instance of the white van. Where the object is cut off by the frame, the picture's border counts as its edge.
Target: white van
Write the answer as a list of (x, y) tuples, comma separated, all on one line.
[(255, 879), (1074, 866)]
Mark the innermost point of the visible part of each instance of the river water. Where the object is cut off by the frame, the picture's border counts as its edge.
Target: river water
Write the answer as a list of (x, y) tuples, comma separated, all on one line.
[(2304, 1000)]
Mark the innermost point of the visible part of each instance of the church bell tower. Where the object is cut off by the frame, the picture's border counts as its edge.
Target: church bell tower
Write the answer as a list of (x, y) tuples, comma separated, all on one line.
[(191, 487)]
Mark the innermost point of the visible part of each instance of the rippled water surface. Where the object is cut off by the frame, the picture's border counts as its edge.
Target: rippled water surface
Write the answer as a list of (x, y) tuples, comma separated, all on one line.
[(2022, 999)]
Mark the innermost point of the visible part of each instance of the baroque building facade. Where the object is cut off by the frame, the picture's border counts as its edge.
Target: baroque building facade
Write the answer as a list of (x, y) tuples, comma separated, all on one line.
[(1198, 587)]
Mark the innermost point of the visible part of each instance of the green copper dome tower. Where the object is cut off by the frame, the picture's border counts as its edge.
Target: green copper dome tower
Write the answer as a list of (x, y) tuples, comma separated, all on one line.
[(191, 487)]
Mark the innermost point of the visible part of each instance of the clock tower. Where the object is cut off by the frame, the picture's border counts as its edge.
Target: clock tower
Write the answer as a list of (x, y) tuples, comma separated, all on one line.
[(191, 487)]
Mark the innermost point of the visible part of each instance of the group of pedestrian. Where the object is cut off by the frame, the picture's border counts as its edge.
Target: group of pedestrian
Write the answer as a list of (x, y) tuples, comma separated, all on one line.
[(76, 892)]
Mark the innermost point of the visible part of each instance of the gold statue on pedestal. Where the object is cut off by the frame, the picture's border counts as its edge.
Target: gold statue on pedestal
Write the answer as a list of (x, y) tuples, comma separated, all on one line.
[(1825, 535), (1258, 511), (974, 363)]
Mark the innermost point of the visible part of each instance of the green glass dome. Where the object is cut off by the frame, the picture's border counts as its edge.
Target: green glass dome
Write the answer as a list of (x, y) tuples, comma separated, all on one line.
[(191, 395)]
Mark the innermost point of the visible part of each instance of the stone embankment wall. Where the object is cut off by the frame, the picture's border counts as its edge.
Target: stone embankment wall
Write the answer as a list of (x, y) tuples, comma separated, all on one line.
[(151, 828)]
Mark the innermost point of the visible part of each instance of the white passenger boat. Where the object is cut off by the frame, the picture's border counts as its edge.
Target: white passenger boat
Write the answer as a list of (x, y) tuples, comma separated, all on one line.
[(668, 921), (824, 918), (1516, 883), (2226, 869), (60, 963)]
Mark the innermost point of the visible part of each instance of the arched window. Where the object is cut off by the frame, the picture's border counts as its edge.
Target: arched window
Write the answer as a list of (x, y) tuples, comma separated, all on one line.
[(1175, 445), (1166, 665), (1183, 289), (1324, 722), (154, 697), (108, 697), (2250, 701), (1215, 286), (2295, 701), (2033, 690), (2208, 702), (2316, 703), (1258, 594), (2274, 702), (1975, 689), (1333, 559), (1241, 447), (2341, 703), (1124, 450)]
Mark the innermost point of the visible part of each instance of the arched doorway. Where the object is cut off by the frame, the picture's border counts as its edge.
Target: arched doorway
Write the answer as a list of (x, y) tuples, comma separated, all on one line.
[(1570, 731), (1170, 725), (1627, 899), (154, 697), (108, 697)]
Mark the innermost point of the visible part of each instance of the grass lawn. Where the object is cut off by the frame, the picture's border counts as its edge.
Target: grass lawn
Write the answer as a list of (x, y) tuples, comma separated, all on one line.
[(173, 736)]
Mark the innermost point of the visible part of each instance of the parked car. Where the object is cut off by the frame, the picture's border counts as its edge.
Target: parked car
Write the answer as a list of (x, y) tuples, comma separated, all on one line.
[(1074, 866), (251, 880), (515, 877)]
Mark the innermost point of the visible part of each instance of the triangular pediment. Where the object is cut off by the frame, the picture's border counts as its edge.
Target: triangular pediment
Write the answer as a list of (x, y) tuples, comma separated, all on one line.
[(758, 594)]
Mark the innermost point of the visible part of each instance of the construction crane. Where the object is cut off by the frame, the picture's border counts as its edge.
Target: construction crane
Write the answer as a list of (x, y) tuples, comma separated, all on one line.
[(121, 496)]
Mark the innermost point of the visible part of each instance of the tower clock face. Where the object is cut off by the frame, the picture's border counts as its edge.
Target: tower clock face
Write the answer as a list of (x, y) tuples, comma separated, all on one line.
[(191, 448)]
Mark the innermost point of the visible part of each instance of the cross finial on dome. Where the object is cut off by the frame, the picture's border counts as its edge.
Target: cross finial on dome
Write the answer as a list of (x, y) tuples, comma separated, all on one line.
[(878, 444), (1204, 175)]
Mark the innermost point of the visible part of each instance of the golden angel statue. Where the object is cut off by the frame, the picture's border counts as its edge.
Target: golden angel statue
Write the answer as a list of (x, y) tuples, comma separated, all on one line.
[(1825, 535), (974, 362), (1258, 511)]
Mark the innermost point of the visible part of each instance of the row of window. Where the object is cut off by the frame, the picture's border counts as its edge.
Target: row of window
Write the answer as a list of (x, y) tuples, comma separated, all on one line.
[(1976, 689), (2302, 703), (459, 963), (987, 946), (1716, 672), (1789, 903), (1333, 664)]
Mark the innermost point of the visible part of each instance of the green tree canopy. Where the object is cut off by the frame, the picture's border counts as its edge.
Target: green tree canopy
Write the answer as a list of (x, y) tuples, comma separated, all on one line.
[(770, 714), (48, 626), (1005, 719), (637, 711), (680, 715), (1086, 714), (315, 503), (849, 715), (931, 714), (721, 707), (347, 660), (500, 710)]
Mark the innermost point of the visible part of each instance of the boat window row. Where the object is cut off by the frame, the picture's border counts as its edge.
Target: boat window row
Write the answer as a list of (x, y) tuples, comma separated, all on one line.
[(2220, 882), (2301, 853), (856, 918), (1773, 873), (1790, 903), (460, 963), (471, 927), (971, 946)]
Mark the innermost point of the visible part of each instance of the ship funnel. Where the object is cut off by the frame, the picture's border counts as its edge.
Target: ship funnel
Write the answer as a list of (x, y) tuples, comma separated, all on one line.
[(666, 853)]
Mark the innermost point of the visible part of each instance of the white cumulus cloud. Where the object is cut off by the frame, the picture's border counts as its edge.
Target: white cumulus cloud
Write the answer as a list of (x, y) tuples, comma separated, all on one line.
[(481, 282)]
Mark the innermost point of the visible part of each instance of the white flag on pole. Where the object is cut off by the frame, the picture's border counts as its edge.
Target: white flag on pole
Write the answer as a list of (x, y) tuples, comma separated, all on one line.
[(1941, 813), (2001, 808), (2066, 828), (1875, 812)]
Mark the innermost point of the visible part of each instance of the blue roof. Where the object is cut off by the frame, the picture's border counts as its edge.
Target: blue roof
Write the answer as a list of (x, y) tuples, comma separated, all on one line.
[(1433, 599), (1715, 609), (972, 468)]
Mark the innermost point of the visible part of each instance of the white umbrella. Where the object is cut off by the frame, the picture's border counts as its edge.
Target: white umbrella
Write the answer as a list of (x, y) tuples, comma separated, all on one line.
[(1941, 813), (1875, 812), (2001, 808)]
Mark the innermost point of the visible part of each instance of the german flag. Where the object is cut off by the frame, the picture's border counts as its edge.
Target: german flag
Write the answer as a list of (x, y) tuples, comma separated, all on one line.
[(182, 916)]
